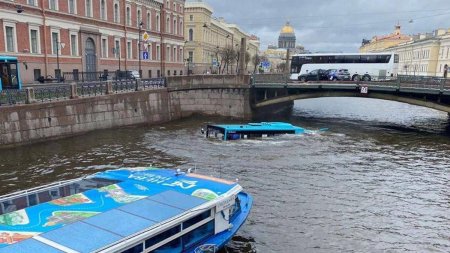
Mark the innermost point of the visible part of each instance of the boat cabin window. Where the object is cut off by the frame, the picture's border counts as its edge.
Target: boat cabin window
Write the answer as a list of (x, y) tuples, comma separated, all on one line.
[(196, 219), (174, 246), (136, 249), (162, 236), (197, 235), (51, 193)]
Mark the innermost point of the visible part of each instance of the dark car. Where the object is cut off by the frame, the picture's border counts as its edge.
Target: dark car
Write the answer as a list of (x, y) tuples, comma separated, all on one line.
[(338, 75), (314, 75)]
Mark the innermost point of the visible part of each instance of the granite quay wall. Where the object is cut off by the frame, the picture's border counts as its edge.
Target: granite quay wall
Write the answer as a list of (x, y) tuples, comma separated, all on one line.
[(39, 120)]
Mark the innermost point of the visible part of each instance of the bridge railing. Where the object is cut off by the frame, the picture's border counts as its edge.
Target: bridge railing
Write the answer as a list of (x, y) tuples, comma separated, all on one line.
[(55, 92), (271, 79)]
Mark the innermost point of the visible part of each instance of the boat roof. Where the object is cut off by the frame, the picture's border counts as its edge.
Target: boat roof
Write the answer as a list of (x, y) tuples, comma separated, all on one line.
[(138, 199), (262, 126)]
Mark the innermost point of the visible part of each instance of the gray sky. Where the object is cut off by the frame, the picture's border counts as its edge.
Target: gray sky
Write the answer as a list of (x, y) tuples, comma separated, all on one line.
[(333, 25)]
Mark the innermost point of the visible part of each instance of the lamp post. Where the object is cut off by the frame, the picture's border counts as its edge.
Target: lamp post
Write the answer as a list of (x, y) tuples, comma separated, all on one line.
[(116, 52), (140, 47), (58, 71)]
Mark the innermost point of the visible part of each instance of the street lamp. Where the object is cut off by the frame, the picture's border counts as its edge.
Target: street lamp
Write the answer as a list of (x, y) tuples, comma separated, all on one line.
[(116, 52), (188, 60), (140, 48), (58, 70)]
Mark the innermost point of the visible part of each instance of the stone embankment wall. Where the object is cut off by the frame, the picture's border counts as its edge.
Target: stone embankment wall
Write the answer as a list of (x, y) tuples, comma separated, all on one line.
[(37, 122)]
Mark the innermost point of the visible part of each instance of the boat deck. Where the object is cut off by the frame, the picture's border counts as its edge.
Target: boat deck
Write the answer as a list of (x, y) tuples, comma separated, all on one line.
[(89, 221)]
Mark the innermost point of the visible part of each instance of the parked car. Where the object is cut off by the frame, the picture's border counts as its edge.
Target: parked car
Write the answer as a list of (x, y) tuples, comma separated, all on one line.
[(133, 74), (314, 75), (338, 75)]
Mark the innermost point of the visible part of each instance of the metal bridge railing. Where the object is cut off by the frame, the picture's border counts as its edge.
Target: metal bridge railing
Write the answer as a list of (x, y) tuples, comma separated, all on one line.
[(11, 97), (92, 89), (51, 93)]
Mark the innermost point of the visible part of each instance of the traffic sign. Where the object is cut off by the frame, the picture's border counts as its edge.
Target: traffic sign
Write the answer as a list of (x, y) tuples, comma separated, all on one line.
[(145, 55), (145, 36), (265, 64)]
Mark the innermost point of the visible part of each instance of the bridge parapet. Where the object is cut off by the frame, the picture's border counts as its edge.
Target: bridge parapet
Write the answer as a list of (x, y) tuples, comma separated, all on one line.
[(208, 81)]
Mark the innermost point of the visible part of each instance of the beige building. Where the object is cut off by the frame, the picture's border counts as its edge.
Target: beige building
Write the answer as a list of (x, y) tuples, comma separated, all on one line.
[(425, 55), (380, 43), (206, 36)]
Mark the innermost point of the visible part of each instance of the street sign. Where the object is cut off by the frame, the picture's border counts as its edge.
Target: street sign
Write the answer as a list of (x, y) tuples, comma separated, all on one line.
[(364, 89), (145, 55), (265, 64), (145, 36)]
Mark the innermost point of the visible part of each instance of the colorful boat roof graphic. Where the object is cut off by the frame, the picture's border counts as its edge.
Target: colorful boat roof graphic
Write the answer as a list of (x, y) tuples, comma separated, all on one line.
[(137, 199)]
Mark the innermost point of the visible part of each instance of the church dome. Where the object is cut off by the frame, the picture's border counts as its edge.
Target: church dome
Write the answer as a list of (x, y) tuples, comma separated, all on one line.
[(287, 29)]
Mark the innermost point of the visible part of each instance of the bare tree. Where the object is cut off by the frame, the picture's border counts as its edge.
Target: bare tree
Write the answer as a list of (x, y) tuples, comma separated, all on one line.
[(228, 56), (257, 59), (281, 67), (247, 59)]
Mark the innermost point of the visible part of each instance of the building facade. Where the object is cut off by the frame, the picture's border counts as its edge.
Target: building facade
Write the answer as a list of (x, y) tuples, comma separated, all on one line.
[(93, 36), (380, 43), (287, 38), (207, 36), (425, 55)]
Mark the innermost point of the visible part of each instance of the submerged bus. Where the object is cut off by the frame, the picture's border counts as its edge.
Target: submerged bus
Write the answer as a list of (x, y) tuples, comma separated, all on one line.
[(364, 66), (9, 73)]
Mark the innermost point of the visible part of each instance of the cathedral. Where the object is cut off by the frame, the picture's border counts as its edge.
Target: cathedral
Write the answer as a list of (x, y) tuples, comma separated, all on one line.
[(287, 37)]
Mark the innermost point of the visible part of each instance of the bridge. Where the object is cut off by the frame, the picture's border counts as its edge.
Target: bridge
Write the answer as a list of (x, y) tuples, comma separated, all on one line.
[(431, 92)]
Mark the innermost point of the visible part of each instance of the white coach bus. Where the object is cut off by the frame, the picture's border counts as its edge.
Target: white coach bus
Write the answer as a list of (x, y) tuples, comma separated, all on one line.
[(361, 66)]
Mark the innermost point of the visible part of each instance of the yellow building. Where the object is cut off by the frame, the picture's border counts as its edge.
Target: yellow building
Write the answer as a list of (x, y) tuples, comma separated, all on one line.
[(206, 36), (425, 55), (380, 43)]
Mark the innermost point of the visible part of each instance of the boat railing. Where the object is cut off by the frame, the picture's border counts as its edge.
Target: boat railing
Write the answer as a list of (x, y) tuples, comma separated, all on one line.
[(37, 189)]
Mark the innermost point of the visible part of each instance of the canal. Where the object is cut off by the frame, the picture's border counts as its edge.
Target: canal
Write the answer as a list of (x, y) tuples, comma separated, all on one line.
[(378, 180)]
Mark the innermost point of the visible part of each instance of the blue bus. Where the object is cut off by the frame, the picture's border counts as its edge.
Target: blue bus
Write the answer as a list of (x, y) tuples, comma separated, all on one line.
[(9, 73)]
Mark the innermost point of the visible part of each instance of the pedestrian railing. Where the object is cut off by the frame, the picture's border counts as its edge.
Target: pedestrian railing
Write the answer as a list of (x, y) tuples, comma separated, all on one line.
[(153, 83), (51, 93), (125, 85), (92, 89), (11, 97)]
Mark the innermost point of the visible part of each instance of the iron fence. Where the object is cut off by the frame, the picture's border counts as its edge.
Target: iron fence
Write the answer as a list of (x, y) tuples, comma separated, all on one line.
[(124, 85), (153, 83), (92, 89), (76, 76), (11, 97), (50, 93)]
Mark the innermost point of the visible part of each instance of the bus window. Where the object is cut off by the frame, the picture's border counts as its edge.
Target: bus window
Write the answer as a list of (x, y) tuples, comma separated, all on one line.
[(13, 74)]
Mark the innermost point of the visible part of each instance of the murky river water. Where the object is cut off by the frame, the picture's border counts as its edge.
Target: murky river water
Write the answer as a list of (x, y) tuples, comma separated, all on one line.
[(376, 181)]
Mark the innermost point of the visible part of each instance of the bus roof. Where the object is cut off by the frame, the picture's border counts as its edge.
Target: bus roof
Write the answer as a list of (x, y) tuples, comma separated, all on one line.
[(7, 58), (334, 54)]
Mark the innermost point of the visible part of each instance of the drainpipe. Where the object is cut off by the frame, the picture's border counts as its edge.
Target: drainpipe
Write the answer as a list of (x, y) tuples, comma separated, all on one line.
[(163, 70), (44, 20)]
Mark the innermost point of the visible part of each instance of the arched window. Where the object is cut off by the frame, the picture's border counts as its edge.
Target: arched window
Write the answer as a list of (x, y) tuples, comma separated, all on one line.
[(168, 25), (116, 13), (191, 35), (175, 30), (149, 21), (139, 17), (103, 9), (181, 28), (158, 22), (128, 15)]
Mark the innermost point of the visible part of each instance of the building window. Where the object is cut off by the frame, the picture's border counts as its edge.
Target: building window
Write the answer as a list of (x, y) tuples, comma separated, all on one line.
[(104, 47), (117, 49), (174, 56), (72, 5), (88, 8), (116, 13), (158, 23), (103, 12), (180, 56), (32, 2), (128, 18), (139, 17), (168, 25), (167, 58), (10, 37), (149, 50), (73, 45), (175, 30), (191, 56), (181, 28), (191, 34), (149, 21), (53, 5), (34, 41), (55, 42), (158, 53), (191, 18), (129, 50)]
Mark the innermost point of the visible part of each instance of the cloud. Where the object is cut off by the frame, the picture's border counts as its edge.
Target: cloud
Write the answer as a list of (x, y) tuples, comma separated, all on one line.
[(332, 25)]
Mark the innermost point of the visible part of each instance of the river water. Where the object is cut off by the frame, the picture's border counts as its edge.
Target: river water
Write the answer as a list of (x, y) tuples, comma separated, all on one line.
[(376, 181)]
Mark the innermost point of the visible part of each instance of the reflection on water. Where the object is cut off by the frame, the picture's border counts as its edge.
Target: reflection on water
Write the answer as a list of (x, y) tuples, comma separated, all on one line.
[(376, 181)]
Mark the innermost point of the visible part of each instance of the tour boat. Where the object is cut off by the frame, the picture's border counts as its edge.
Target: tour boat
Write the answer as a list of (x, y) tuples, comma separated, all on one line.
[(128, 210), (252, 130)]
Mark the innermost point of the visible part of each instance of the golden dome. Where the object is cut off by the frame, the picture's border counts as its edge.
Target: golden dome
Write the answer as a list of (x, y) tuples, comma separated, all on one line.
[(287, 28)]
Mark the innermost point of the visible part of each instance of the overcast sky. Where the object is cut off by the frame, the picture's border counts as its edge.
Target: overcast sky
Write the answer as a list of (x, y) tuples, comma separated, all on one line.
[(333, 25)]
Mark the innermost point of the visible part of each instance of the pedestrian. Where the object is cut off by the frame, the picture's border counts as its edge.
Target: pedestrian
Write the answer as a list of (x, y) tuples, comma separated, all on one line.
[(445, 70)]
